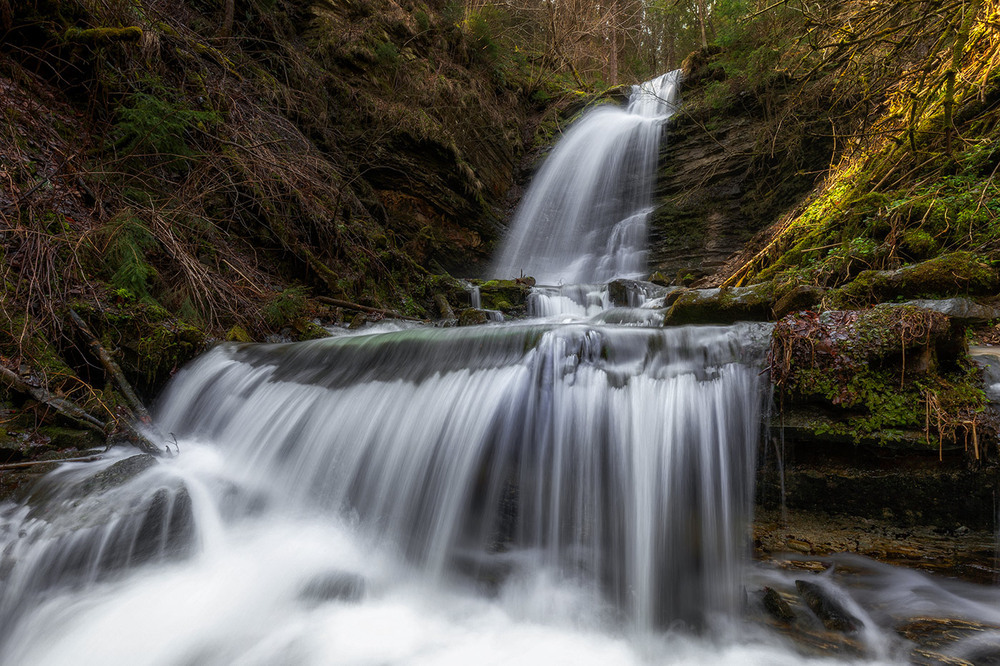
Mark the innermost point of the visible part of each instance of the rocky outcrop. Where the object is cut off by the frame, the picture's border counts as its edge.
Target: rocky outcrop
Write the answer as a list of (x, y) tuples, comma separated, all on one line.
[(728, 169)]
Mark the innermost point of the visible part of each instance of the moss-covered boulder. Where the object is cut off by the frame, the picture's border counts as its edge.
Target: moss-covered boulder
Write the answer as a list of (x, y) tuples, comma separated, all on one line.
[(306, 329), (954, 274), (507, 296), (472, 317), (884, 373), (722, 306), (802, 297)]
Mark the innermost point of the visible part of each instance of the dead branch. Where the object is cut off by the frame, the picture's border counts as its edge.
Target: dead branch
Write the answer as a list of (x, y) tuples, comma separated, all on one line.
[(112, 368), (64, 407), (364, 308), (33, 463)]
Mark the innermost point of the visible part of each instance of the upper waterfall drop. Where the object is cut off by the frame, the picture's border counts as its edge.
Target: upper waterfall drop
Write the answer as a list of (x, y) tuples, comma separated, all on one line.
[(583, 219)]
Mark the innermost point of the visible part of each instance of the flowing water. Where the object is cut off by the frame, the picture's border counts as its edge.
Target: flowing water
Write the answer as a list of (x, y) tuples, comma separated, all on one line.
[(583, 218), (571, 489)]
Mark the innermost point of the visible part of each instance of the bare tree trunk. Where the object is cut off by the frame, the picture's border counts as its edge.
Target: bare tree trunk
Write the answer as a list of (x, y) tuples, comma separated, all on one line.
[(229, 13), (702, 18)]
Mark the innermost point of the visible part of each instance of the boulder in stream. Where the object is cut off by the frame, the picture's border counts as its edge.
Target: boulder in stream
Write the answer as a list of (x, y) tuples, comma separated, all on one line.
[(777, 607), (472, 317), (827, 608)]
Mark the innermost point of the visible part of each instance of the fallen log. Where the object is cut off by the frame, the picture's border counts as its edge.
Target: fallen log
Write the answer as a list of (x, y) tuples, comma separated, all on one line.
[(60, 405), (76, 413), (33, 463), (111, 367), (365, 308)]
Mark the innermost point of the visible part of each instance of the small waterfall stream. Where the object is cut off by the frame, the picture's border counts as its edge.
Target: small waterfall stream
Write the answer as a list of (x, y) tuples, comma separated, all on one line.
[(583, 218), (574, 488)]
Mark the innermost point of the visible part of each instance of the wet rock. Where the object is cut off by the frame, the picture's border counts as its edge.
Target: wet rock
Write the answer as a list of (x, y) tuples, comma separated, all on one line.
[(964, 311), (306, 329), (829, 610), (357, 322), (802, 297), (167, 528), (629, 293), (117, 474), (334, 586), (722, 306), (777, 607), (949, 274), (508, 296), (472, 317)]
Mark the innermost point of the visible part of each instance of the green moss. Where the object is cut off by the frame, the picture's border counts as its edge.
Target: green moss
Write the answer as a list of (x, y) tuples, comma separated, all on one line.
[(285, 306), (954, 274), (309, 330), (918, 244), (238, 334), (882, 370)]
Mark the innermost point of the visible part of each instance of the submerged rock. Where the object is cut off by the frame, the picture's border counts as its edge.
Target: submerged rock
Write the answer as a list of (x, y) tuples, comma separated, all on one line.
[(117, 474), (777, 607), (829, 610), (334, 586)]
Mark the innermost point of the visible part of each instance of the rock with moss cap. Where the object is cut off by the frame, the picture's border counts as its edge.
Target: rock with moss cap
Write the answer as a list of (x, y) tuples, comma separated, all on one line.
[(885, 373), (954, 274), (507, 296), (472, 317), (722, 305)]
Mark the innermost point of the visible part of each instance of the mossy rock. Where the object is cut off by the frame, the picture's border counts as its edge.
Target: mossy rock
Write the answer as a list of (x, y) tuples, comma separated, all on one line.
[(472, 317), (722, 306), (878, 372), (71, 438), (309, 330), (238, 334), (796, 299), (148, 344), (954, 274), (453, 289), (508, 296)]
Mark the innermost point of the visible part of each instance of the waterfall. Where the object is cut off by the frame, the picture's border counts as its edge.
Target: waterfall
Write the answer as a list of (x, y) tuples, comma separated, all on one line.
[(619, 459), (575, 488), (583, 218)]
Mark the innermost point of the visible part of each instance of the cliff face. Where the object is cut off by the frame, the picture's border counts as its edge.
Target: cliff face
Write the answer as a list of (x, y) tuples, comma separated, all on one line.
[(732, 162)]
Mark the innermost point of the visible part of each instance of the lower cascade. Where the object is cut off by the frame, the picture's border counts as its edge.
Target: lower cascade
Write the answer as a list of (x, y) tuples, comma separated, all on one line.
[(546, 492)]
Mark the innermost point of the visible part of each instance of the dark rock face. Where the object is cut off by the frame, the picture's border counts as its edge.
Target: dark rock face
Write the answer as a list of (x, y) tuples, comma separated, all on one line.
[(723, 175), (777, 607), (827, 608)]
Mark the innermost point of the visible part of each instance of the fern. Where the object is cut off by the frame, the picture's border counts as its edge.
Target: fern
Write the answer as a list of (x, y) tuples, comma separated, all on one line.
[(125, 254), (159, 122)]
